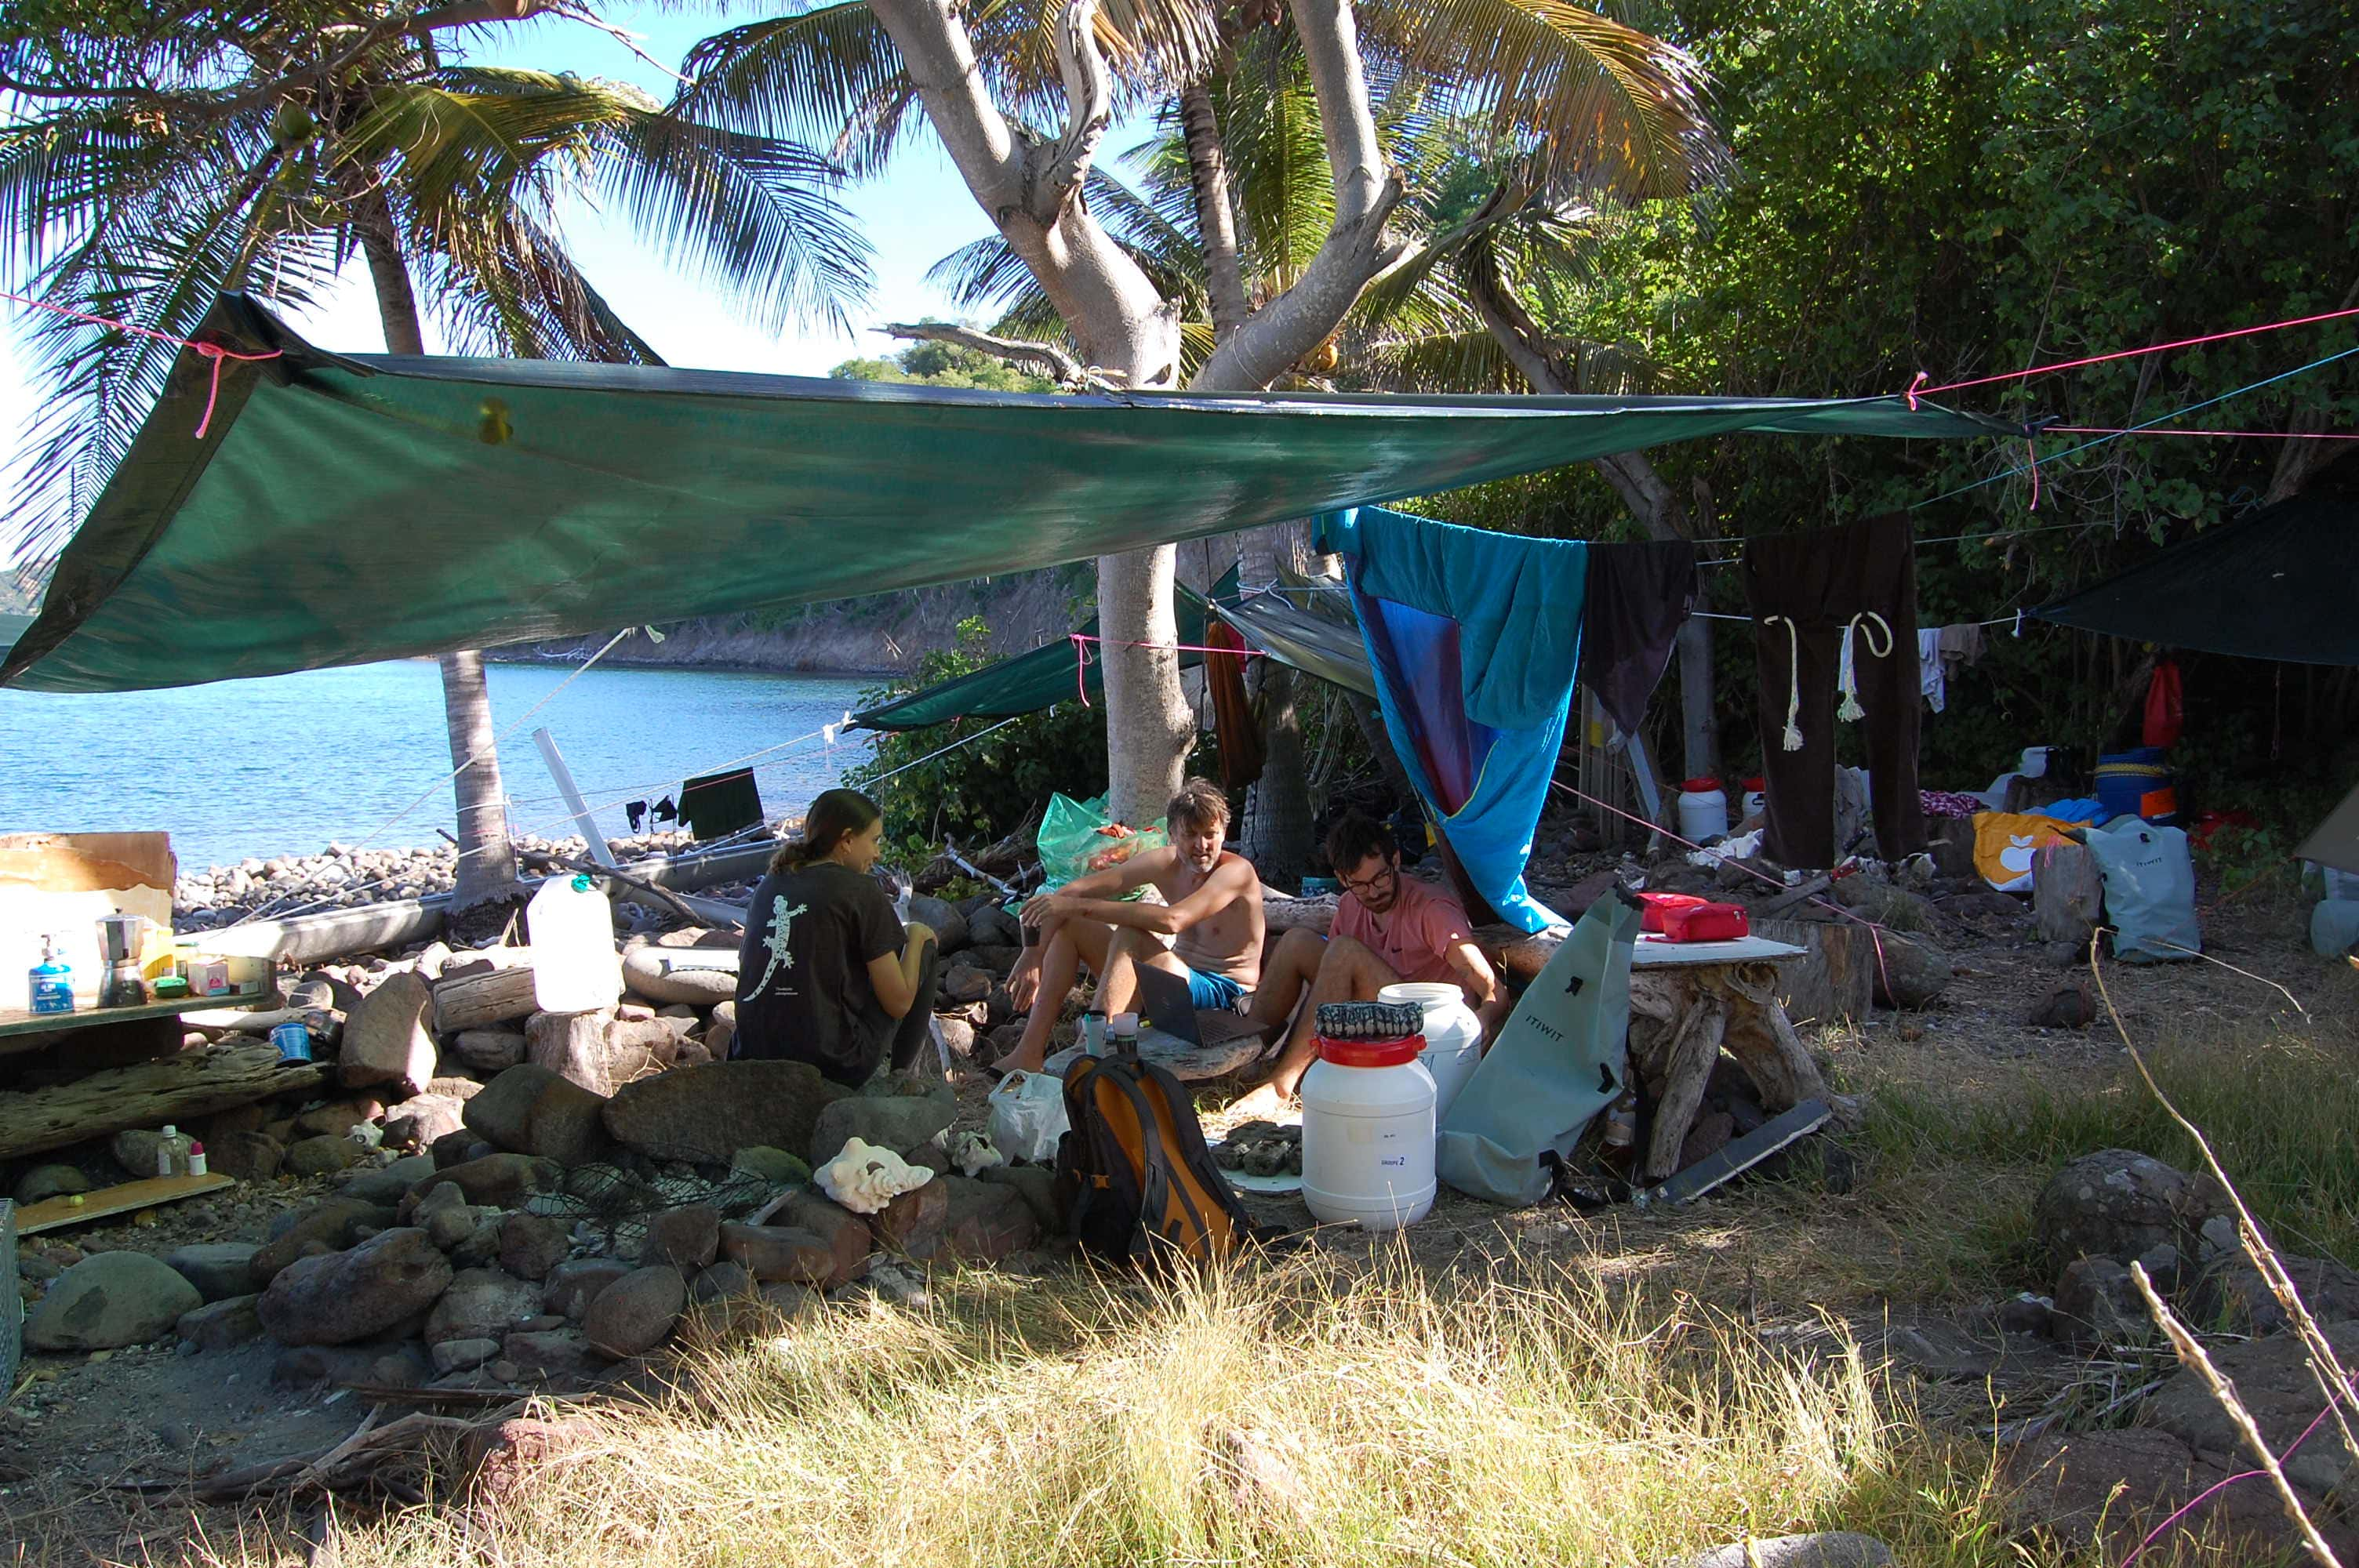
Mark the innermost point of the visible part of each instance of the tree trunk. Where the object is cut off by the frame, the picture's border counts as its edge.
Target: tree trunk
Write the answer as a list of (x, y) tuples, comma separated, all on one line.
[(1208, 171), (487, 867), (1277, 830), (1150, 727)]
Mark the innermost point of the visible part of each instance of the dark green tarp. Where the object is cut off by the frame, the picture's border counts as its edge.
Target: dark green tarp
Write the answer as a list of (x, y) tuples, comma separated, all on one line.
[(1027, 682), (2282, 584), (1315, 644), (342, 508)]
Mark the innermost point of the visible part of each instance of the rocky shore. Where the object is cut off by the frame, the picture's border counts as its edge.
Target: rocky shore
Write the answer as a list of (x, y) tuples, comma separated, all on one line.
[(342, 877)]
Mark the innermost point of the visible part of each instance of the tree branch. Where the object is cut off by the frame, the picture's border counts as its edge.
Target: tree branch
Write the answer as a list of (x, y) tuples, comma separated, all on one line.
[(1357, 246), (1089, 110), (1055, 361), (1216, 218)]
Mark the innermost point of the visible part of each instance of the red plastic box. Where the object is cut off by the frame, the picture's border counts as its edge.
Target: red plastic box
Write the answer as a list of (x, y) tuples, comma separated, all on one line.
[(1659, 906), (1704, 922)]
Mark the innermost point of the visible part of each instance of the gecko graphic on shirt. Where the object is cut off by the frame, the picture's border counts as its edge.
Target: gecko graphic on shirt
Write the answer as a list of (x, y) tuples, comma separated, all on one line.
[(782, 920)]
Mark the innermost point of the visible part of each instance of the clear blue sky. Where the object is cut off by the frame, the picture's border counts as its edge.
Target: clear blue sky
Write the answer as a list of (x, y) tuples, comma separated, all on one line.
[(914, 214)]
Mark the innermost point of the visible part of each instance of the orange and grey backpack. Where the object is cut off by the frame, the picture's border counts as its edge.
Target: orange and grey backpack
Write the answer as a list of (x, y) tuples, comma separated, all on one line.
[(1134, 1175)]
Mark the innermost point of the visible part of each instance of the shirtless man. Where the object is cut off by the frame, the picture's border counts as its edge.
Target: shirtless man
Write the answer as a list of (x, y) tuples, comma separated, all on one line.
[(1387, 929), (1211, 913)]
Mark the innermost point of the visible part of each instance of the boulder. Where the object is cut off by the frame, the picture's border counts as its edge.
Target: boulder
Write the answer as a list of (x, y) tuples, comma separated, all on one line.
[(697, 976), (1911, 971), (774, 1166), (2098, 1304), (223, 1324), (135, 1151), (248, 1156), (346, 1297), (991, 927), (2068, 1006), (458, 1148), (598, 1051), (386, 1038), (500, 1181), (962, 983), (848, 1237), (43, 1183), (107, 1301), (2273, 1380), (571, 1286), (219, 1270), (949, 926), (2230, 1295), (687, 1238), (338, 1117), (725, 1280), (323, 1155), (720, 1032), (957, 1033), (400, 1364), (325, 1226), (533, 1109), (1824, 1548), (1037, 1186), (631, 1316), (987, 1222), (531, 1245), (482, 1303), (389, 1184), (773, 1252), (462, 1355), (705, 1114), (498, 1461), (2118, 1203), (786, 1299), (549, 1353), (418, 1121), (914, 1222), (488, 1050), (892, 1114), (321, 990)]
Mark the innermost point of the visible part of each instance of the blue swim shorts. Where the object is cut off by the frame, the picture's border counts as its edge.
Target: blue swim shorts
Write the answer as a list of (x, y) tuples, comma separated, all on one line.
[(1215, 993)]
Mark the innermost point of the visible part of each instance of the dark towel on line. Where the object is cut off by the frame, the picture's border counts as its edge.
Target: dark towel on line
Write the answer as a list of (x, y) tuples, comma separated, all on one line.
[(1233, 714), (1805, 591), (1638, 594)]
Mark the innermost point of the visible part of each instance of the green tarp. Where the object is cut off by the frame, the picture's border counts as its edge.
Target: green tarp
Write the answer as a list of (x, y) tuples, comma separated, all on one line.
[(342, 509), (1028, 682), (1315, 644)]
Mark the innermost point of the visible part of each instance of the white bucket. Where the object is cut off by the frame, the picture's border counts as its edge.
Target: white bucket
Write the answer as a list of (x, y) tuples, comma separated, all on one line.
[(1703, 813), (1367, 1133), (1453, 1037), (574, 965)]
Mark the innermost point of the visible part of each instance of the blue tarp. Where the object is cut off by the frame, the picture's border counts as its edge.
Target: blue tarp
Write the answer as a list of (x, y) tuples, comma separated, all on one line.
[(1475, 639)]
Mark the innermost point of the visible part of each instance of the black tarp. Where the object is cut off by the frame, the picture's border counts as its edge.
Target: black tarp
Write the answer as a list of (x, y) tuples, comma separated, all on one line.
[(2281, 584)]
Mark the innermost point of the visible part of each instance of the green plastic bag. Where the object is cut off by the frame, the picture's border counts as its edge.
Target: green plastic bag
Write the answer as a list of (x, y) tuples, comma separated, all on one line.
[(1075, 840)]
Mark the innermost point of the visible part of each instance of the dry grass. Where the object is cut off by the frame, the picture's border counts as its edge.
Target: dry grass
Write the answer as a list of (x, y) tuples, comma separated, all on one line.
[(1522, 1419)]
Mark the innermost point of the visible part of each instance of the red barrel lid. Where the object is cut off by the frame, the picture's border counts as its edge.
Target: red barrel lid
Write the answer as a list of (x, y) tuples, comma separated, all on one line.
[(1700, 786), (1371, 1052)]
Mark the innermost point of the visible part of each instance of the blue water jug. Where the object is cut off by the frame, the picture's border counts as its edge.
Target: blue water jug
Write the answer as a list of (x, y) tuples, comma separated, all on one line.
[(51, 981)]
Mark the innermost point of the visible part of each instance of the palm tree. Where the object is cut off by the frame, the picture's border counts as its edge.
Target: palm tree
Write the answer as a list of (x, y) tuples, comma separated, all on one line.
[(1589, 103), (159, 160)]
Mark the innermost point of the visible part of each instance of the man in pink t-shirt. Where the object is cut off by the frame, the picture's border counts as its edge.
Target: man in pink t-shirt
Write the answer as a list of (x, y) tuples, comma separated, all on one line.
[(1387, 929)]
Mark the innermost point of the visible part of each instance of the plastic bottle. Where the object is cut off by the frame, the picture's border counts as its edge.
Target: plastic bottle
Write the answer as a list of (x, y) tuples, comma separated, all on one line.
[(1093, 1034), (574, 965), (1367, 1133), (172, 1152), (1453, 1036), (1703, 811), (197, 1160), (1122, 1034), (51, 981)]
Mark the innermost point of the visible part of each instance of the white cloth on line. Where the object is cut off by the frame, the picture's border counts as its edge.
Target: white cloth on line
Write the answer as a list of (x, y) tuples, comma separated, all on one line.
[(1930, 675)]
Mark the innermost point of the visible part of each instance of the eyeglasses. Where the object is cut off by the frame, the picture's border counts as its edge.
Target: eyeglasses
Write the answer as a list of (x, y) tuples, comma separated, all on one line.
[(1370, 884)]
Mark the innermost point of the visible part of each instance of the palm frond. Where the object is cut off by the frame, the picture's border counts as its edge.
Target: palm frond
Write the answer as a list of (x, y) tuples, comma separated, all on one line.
[(519, 295), (827, 77), (1601, 105)]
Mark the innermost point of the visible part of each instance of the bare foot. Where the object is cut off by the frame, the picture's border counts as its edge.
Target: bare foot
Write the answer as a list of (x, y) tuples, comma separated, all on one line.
[(1266, 1103), (1022, 1061)]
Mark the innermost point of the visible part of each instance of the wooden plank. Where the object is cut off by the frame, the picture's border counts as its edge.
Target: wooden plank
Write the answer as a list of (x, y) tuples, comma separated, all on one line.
[(108, 1202), (178, 1088), (11, 1304), (16, 1022)]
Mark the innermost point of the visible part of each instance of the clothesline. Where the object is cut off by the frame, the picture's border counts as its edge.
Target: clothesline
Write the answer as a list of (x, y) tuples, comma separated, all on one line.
[(1917, 388)]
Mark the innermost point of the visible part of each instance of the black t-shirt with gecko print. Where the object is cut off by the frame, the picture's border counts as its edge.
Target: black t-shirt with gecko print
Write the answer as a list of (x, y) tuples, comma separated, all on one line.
[(802, 973)]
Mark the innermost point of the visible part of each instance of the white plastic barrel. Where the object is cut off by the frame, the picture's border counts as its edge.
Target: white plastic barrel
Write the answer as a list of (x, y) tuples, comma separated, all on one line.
[(574, 965), (1704, 810), (1453, 1036), (1367, 1133)]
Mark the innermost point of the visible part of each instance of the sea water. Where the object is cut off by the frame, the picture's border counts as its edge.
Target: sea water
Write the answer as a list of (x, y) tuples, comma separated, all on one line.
[(289, 764)]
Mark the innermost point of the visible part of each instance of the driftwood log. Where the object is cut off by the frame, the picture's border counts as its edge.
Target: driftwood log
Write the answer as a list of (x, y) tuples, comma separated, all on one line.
[(178, 1088), (2068, 892), (1834, 979), (482, 999), (1680, 1021)]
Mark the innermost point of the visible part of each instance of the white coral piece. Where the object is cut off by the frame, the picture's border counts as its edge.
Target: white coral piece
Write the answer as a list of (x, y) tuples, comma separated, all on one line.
[(975, 1153), (865, 1178)]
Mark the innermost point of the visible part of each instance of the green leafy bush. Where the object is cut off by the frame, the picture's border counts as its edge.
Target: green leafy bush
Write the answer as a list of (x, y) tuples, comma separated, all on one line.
[(980, 792)]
